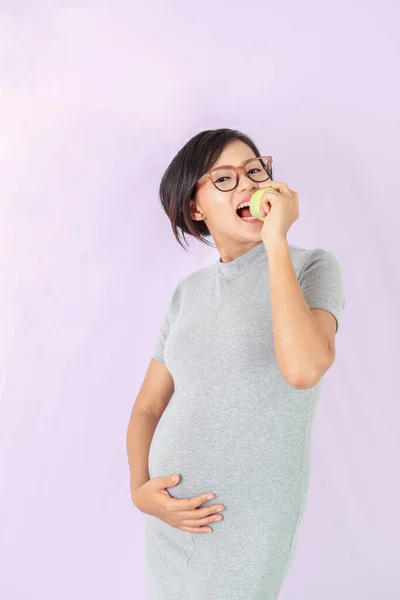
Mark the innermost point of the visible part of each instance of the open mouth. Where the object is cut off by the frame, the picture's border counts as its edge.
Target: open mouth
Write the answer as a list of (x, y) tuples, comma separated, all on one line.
[(245, 215)]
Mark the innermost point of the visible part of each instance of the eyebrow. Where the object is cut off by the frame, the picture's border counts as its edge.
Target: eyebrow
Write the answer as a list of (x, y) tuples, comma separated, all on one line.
[(241, 164)]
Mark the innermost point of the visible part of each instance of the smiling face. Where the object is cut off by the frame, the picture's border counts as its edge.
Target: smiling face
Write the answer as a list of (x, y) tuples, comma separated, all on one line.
[(218, 208)]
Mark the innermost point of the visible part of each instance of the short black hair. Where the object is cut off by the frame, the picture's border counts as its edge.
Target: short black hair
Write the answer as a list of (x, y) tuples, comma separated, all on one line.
[(177, 185)]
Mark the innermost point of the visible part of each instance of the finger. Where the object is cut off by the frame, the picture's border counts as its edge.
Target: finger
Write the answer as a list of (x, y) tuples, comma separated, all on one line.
[(199, 522), (197, 529), (199, 513), (189, 503), (164, 482), (265, 207), (285, 189), (271, 198), (279, 187)]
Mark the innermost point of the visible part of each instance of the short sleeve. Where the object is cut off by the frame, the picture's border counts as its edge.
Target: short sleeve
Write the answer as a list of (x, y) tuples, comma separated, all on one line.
[(321, 282), (164, 329)]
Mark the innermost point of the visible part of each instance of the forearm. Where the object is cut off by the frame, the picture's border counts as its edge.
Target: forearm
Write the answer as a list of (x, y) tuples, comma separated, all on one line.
[(300, 345), (140, 432)]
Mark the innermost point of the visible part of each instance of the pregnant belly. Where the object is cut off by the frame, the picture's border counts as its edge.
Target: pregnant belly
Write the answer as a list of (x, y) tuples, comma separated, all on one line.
[(176, 448), (233, 455)]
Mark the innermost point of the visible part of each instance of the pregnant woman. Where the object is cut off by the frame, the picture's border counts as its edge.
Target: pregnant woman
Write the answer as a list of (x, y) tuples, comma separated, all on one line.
[(229, 397)]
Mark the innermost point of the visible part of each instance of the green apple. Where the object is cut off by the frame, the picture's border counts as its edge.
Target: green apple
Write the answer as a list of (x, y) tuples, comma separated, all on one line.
[(255, 203)]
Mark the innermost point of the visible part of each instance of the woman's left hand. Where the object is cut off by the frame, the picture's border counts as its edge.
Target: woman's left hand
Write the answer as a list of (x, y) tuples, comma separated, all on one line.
[(282, 207)]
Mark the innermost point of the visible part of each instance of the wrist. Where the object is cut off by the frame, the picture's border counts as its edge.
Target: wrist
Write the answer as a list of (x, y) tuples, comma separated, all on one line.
[(134, 486), (275, 241)]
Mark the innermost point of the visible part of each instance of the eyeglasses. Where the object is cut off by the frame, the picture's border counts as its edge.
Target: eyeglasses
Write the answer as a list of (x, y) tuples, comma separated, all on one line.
[(226, 178)]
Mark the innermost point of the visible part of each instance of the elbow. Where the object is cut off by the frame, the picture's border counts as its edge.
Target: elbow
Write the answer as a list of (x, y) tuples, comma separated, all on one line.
[(304, 380), (302, 384), (305, 377)]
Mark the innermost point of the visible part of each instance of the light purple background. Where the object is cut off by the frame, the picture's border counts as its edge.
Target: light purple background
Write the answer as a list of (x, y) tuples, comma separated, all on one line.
[(96, 98)]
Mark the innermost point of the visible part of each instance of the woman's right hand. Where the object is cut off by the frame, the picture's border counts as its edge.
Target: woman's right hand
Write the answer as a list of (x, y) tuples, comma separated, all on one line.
[(153, 499)]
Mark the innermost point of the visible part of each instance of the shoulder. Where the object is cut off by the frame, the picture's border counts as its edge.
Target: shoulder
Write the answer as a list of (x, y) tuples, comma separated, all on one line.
[(189, 285), (305, 258), (196, 278)]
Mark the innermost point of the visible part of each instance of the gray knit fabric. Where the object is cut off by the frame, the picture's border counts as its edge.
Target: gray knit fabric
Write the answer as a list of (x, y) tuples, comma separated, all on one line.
[(233, 427)]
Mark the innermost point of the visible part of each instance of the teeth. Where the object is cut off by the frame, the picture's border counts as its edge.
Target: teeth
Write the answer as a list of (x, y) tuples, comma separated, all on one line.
[(243, 205)]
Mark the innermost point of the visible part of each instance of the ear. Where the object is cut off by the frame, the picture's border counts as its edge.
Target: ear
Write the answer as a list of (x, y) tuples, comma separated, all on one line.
[(195, 212), (192, 209)]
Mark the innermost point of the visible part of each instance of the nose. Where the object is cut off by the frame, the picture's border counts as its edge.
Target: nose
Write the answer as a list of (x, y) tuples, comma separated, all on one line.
[(245, 182)]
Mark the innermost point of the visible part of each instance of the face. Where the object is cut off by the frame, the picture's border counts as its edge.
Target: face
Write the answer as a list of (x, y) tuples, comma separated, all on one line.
[(218, 209)]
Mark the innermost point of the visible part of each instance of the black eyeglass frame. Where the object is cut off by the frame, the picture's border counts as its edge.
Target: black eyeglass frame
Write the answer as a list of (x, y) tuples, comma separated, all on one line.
[(208, 176)]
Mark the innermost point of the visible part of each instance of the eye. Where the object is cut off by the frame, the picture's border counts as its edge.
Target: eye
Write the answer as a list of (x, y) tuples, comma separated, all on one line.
[(219, 179)]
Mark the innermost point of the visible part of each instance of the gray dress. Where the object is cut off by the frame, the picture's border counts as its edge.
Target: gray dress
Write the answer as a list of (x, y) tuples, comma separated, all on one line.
[(233, 427)]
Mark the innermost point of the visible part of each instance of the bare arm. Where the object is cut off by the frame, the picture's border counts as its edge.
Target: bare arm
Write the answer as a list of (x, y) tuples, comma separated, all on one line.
[(154, 395), (303, 339)]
